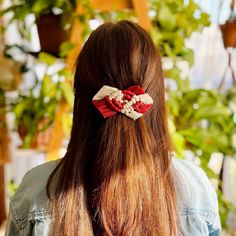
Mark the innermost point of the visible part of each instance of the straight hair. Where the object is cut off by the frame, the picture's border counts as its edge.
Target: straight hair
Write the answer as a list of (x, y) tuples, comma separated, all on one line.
[(116, 176)]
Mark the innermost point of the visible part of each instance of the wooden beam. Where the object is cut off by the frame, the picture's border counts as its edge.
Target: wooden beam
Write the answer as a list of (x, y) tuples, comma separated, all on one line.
[(4, 143), (58, 134), (4, 158), (75, 38), (111, 5), (139, 6), (3, 214), (141, 10)]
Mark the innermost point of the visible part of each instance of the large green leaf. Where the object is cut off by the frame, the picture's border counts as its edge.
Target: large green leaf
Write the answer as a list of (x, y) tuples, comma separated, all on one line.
[(166, 18), (39, 6), (48, 87), (47, 58)]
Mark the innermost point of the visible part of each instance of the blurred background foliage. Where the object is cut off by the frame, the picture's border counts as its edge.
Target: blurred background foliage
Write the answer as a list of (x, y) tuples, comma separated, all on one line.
[(201, 121)]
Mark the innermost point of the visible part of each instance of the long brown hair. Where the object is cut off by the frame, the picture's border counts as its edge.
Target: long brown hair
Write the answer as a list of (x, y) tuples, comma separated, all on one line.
[(116, 177)]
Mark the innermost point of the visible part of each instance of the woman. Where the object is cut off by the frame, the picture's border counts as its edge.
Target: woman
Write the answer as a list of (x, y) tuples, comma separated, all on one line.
[(118, 176)]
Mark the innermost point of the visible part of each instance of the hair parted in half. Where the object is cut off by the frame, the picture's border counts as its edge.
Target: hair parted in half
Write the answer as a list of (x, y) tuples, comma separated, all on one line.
[(116, 177)]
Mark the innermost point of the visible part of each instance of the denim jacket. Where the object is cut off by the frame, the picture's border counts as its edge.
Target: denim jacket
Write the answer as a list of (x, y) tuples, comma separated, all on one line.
[(197, 202)]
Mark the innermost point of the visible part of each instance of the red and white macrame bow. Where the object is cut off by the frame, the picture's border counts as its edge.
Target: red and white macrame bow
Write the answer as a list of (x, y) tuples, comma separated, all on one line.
[(132, 102)]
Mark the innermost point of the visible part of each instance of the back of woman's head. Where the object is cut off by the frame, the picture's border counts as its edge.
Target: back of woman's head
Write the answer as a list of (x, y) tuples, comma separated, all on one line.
[(115, 178)]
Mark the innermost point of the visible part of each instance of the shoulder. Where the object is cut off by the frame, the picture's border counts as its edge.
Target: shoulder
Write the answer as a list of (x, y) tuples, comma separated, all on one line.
[(34, 181), (193, 178), (197, 199), (30, 200)]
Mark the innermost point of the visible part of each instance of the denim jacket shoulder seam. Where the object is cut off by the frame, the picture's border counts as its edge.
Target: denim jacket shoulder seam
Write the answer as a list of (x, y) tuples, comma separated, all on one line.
[(39, 214), (18, 221), (21, 222), (207, 215)]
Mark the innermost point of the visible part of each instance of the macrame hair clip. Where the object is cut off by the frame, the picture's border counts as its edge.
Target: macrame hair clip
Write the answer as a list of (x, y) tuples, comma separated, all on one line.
[(132, 102)]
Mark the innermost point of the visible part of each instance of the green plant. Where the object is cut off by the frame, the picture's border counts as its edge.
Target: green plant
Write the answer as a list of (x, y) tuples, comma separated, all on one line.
[(20, 9), (89, 14), (204, 122), (40, 102), (194, 109), (174, 21), (201, 121)]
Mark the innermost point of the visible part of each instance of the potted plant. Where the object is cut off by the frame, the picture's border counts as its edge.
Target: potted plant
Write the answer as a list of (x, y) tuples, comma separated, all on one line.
[(35, 108), (202, 122), (53, 19), (173, 23)]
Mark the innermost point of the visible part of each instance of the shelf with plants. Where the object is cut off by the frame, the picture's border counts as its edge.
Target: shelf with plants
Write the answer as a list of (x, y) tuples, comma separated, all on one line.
[(35, 111), (27, 107), (35, 107)]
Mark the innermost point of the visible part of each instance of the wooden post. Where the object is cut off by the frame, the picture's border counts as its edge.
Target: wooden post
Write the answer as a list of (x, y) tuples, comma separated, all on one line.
[(76, 39), (114, 5), (4, 142), (141, 9), (3, 214), (57, 136), (4, 158)]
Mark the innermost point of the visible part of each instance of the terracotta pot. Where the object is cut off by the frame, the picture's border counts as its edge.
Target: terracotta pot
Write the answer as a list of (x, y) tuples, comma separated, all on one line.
[(51, 32), (229, 33), (41, 140)]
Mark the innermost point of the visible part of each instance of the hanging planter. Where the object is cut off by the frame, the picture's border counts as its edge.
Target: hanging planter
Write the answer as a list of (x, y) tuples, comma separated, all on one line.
[(229, 33), (52, 17), (229, 38), (228, 29), (51, 32)]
